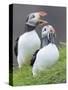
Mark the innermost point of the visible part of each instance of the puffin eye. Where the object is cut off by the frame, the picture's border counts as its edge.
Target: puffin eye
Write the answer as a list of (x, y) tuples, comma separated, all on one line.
[(33, 16), (45, 29)]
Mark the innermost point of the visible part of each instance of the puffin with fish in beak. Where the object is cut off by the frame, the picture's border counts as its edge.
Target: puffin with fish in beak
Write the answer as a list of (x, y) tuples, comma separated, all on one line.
[(48, 54)]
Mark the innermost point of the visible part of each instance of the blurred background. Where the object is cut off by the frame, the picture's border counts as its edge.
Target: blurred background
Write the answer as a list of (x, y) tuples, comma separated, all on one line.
[(56, 17)]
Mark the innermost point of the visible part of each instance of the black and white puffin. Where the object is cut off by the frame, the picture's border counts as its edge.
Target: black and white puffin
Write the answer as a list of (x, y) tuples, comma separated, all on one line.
[(48, 54), (29, 42)]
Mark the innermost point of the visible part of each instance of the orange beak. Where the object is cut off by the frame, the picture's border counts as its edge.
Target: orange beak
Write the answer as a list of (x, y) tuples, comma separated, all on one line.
[(42, 13)]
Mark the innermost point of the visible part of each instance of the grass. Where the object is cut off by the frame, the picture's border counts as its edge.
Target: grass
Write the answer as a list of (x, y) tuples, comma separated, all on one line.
[(55, 74)]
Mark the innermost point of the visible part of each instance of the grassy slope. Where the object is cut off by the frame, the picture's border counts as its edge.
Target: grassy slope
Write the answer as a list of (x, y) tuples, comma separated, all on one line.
[(53, 75)]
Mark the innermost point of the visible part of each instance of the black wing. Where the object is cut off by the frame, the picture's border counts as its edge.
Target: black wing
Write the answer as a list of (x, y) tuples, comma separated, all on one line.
[(34, 57), (16, 47)]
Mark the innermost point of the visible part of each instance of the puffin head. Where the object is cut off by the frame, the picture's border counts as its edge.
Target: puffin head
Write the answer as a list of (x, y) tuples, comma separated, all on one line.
[(48, 33), (34, 19)]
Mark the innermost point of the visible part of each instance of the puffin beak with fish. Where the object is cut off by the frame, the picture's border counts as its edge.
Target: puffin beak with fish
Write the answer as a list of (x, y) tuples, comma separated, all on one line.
[(29, 42), (48, 55)]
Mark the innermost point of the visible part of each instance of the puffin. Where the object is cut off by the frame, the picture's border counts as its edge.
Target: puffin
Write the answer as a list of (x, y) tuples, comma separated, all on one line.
[(46, 39), (29, 42), (48, 55)]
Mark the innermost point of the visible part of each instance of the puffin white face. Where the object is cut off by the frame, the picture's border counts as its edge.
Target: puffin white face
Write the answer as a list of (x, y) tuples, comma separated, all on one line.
[(34, 19), (48, 32)]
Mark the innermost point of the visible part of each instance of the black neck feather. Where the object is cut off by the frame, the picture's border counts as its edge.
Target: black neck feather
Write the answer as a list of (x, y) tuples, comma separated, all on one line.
[(29, 28)]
